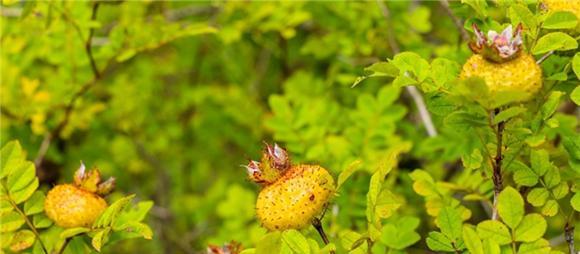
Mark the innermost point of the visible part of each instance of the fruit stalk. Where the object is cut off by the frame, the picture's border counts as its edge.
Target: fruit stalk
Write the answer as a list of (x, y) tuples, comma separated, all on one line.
[(317, 224), (497, 177)]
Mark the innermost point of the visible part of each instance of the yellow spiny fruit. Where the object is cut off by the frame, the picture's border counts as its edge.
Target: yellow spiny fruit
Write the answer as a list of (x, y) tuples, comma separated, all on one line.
[(500, 62), (292, 195), (78, 204), (296, 198), (519, 74), (69, 206)]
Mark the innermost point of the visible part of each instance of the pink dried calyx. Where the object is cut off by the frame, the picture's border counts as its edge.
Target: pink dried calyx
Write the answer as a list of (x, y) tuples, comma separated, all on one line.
[(274, 163), (498, 48)]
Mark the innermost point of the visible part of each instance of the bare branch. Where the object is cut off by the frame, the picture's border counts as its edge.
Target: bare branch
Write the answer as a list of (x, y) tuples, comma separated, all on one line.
[(456, 21), (544, 57), (411, 90)]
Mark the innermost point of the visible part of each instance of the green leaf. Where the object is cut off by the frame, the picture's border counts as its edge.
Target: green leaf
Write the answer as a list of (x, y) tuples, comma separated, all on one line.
[(21, 176), (347, 172), (551, 104), (112, 211), (508, 113), (40, 220), (480, 6), (411, 63), (532, 228), (560, 191), (10, 221), (550, 208), (401, 234), (270, 243), (554, 41), (473, 160), (576, 68), (22, 240), (70, 232), (575, 95), (12, 156), (490, 247), (439, 242), (100, 238), (519, 13), (141, 229), (450, 222), (472, 241), (575, 201), (510, 207), (540, 161), (464, 121), (443, 71), (560, 20), (382, 69), (296, 241), (495, 230), (538, 196), (23, 194), (540, 246), (523, 175), (552, 177), (35, 204)]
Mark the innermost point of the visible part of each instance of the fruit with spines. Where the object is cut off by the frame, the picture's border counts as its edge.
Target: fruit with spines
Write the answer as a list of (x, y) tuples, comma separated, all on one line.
[(293, 195), (500, 62), (81, 203)]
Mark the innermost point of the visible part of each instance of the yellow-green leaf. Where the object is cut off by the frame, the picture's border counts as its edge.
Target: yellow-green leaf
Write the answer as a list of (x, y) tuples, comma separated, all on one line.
[(510, 207)]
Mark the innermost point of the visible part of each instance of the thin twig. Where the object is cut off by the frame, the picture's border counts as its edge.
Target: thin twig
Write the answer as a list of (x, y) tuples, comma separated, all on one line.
[(317, 224), (456, 21), (63, 247), (544, 57), (71, 105), (497, 177), (411, 90), (569, 235), (28, 222)]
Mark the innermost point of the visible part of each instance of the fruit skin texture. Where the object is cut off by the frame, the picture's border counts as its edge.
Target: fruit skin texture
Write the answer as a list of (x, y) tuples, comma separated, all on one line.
[(70, 206), (295, 198), (519, 74)]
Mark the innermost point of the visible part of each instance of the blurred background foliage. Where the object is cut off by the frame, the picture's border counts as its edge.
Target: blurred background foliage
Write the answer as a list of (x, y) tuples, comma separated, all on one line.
[(182, 93)]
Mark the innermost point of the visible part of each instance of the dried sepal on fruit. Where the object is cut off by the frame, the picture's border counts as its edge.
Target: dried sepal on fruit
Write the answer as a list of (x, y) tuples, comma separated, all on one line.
[(291, 195), (232, 247), (501, 62), (81, 203)]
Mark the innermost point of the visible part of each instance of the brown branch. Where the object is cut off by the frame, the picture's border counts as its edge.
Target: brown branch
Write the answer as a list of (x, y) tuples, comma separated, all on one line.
[(456, 21), (497, 161), (569, 235), (88, 42), (411, 90), (84, 89), (317, 224)]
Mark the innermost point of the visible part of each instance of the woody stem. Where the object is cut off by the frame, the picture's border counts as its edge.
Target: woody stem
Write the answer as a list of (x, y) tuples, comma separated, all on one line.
[(317, 224), (497, 177)]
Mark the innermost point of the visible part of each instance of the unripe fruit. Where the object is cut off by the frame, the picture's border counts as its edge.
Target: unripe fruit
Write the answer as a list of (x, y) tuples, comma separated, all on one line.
[(295, 197), (78, 204), (500, 62)]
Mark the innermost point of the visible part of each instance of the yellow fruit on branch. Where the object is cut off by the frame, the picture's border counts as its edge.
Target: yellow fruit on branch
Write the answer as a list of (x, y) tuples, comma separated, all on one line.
[(78, 204), (295, 196), (500, 62)]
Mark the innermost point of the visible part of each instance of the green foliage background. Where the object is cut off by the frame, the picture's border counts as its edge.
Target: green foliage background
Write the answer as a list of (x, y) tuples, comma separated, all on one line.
[(185, 92)]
